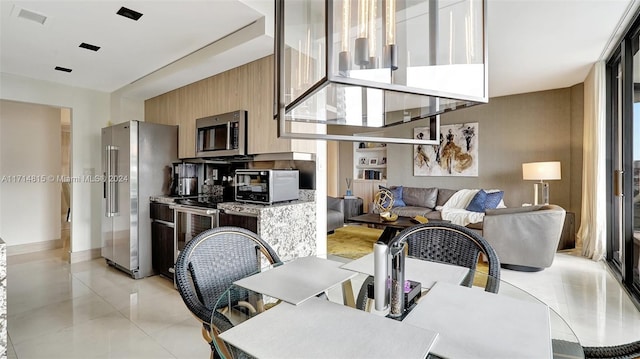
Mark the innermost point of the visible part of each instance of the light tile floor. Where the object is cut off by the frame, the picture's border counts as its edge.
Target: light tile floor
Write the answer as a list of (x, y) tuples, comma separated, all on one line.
[(89, 310), (586, 295)]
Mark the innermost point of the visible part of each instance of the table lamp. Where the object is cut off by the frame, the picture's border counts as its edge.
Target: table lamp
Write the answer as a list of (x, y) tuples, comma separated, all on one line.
[(541, 171)]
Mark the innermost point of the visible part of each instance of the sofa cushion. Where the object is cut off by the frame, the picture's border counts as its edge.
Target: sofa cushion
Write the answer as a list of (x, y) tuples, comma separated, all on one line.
[(411, 211), (493, 199), (477, 202), (420, 197), (434, 215), (444, 195)]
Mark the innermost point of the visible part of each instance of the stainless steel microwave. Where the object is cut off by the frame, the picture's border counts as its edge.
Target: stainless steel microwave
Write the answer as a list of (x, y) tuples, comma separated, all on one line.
[(222, 135), (266, 186)]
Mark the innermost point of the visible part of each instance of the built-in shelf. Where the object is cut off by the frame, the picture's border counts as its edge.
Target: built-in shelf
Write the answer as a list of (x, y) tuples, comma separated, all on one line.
[(369, 161), (372, 149)]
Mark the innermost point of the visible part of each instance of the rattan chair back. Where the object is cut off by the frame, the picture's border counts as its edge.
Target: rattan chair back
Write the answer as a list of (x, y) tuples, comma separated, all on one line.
[(454, 244), (210, 263), (446, 243)]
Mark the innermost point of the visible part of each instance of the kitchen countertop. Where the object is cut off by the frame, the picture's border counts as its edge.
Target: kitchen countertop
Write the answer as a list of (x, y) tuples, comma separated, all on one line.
[(255, 208), (306, 196), (163, 199)]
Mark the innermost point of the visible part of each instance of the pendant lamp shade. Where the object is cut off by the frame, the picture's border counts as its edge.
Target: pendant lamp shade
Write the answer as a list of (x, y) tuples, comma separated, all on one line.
[(359, 66)]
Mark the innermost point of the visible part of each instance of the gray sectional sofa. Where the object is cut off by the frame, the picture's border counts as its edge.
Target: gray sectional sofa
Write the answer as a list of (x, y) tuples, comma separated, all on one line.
[(422, 201), (525, 238)]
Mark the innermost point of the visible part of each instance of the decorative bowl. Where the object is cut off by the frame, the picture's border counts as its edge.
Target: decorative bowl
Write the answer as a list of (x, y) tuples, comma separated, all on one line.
[(388, 216)]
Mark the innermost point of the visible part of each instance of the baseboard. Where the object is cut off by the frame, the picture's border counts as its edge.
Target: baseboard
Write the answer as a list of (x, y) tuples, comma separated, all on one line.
[(82, 256), (34, 247)]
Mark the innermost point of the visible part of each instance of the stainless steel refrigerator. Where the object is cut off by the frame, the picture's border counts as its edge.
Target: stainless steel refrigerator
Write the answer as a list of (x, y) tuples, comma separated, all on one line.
[(136, 164)]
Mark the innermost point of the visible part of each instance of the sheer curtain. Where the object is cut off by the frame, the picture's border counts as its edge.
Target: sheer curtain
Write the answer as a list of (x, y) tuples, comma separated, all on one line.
[(592, 232)]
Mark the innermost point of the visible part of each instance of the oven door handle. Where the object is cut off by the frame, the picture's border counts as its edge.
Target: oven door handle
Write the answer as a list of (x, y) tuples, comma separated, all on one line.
[(235, 213), (190, 210)]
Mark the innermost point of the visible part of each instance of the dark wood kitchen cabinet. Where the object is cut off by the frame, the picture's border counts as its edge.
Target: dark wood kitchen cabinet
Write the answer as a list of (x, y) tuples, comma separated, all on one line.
[(238, 220), (162, 239)]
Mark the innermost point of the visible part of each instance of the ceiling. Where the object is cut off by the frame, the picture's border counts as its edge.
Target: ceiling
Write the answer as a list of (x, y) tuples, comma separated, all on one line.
[(533, 45)]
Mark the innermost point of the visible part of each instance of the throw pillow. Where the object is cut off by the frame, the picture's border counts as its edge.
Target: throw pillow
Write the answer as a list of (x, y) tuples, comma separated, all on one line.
[(396, 191), (493, 199), (477, 202)]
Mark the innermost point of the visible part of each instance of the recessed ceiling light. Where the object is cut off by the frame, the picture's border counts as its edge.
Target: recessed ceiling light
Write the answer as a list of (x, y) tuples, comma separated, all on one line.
[(63, 69), (128, 13), (84, 45), (33, 16)]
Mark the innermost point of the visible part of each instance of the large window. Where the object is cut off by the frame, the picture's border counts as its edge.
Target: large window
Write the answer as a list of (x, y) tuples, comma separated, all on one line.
[(623, 126)]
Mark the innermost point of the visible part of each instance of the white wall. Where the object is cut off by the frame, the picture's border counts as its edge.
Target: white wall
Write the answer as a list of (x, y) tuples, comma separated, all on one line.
[(90, 112), (29, 146), (125, 109)]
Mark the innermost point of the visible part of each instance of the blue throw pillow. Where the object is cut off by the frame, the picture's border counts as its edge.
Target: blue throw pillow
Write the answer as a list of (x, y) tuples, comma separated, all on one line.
[(397, 195), (493, 199), (477, 203)]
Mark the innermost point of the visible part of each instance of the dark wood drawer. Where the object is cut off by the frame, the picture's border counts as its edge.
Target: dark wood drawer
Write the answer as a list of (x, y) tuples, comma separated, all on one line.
[(161, 211), (238, 220)]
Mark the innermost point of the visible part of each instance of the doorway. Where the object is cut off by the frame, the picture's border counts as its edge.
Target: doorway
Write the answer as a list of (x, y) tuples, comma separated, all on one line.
[(32, 197), (65, 187)]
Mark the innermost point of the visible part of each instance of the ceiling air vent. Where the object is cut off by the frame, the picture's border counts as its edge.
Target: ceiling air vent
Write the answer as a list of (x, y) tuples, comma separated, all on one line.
[(84, 45), (128, 13), (63, 69), (30, 15)]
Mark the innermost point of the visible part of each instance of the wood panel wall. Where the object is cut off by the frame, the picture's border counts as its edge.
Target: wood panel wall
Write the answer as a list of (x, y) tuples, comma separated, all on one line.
[(248, 87)]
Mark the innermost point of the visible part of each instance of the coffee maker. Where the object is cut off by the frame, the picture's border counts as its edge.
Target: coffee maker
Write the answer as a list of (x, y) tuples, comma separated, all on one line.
[(185, 179)]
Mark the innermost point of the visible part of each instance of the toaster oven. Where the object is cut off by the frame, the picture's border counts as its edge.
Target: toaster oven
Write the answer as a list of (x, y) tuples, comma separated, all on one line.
[(266, 186)]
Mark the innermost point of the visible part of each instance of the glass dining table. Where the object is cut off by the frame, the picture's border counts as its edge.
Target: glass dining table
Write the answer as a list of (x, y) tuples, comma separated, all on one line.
[(305, 309)]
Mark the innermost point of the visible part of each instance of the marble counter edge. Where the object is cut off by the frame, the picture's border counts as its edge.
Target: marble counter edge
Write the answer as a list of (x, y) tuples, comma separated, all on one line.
[(256, 209)]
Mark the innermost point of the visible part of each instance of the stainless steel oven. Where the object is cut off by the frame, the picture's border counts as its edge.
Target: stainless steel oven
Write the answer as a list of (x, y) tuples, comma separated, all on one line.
[(189, 222)]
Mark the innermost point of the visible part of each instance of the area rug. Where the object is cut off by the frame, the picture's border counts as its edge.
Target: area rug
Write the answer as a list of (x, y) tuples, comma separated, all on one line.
[(352, 241), (355, 241)]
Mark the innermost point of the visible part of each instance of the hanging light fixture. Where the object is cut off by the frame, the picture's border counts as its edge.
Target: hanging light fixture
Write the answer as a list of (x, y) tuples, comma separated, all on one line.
[(372, 67)]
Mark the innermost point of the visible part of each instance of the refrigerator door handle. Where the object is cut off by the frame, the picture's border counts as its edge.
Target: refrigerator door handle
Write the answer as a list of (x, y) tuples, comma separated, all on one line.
[(106, 184), (111, 184), (115, 207)]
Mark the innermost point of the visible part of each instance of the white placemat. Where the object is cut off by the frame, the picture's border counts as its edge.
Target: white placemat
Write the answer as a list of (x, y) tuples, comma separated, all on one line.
[(476, 324), (318, 328), (298, 280)]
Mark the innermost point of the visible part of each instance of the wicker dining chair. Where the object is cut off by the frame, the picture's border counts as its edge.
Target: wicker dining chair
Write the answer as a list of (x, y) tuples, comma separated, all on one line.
[(622, 351), (446, 243), (209, 264)]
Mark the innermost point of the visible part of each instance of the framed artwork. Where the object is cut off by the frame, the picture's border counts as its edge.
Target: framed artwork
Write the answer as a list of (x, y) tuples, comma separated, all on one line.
[(373, 161), (363, 160), (456, 155), (384, 161)]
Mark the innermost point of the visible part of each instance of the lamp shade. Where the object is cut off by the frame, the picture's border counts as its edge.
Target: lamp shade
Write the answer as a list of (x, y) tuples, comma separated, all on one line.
[(540, 171)]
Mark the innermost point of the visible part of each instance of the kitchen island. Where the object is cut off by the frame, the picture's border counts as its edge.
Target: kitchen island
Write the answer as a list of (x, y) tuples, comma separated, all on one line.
[(288, 227)]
